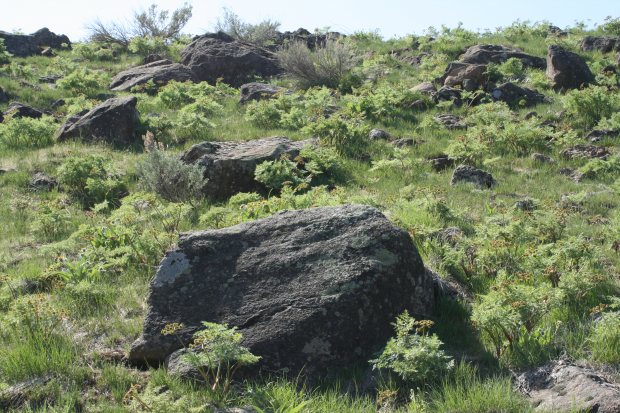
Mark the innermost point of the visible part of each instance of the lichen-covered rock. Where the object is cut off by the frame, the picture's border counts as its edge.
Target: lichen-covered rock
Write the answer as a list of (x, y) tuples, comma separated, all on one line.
[(21, 110), (457, 72), (447, 93), (598, 135), (509, 93), (378, 134), (425, 87), (311, 289), (561, 386), (451, 121), (45, 37), (160, 72), (20, 45), (258, 91), (111, 121), (567, 69), (229, 166), (603, 44), (440, 162), (585, 151), (50, 78), (469, 174), (218, 55), (487, 53), (539, 157), (401, 143)]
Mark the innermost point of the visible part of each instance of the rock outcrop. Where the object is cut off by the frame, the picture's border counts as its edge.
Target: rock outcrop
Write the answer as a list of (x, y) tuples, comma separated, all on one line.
[(21, 110), (218, 55), (112, 121), (585, 151), (457, 72), (258, 91), (567, 69), (482, 54), (510, 93), (469, 174), (160, 72), (603, 44), (20, 45), (46, 38), (230, 166), (311, 289)]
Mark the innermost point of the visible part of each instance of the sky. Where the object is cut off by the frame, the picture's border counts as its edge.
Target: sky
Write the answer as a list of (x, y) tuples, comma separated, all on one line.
[(394, 18)]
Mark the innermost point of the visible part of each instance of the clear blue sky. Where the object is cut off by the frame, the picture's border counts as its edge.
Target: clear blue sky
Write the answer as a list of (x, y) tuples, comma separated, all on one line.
[(392, 17)]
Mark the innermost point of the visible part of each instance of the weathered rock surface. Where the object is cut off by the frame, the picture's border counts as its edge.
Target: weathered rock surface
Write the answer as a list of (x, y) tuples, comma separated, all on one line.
[(567, 69), (598, 135), (509, 93), (400, 143), (41, 182), (451, 121), (44, 37), (314, 288), (487, 53), (416, 60), (466, 173), (425, 87), (585, 151), (20, 45), (561, 386), (21, 110), (3, 96), (111, 121), (457, 72), (302, 35), (603, 44), (230, 166), (161, 72), (152, 58), (50, 78), (447, 93), (218, 55), (258, 91), (378, 134), (16, 395), (539, 157), (440, 162)]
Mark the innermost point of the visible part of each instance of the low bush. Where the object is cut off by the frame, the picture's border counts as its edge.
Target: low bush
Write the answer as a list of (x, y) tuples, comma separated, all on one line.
[(592, 104), (83, 82), (147, 45), (4, 55), (25, 132), (274, 174)]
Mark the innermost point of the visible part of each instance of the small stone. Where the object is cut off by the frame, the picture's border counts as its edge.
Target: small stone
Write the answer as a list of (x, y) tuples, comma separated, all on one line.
[(530, 115), (469, 174), (402, 142), (378, 134), (539, 157), (418, 105)]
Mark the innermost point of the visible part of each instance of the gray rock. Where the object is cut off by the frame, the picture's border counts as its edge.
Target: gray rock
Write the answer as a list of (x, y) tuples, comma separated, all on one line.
[(160, 72), (312, 289), (400, 143), (524, 204), (416, 60), (16, 395), (561, 386), (450, 121), (469, 85), (21, 110), (487, 53), (58, 103), (111, 121), (608, 70), (218, 55), (258, 91), (539, 157), (176, 366), (530, 115), (418, 105), (230, 166), (50, 78), (603, 44), (44, 37), (20, 45), (457, 72), (451, 235), (48, 52), (440, 162), (585, 151), (598, 135), (425, 87), (466, 173), (567, 69), (78, 60), (378, 134), (3, 96), (510, 93), (31, 86), (41, 182), (152, 58), (447, 93)]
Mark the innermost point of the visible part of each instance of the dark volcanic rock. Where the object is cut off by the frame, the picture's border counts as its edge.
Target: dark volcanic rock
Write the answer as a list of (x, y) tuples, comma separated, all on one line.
[(311, 289), (447, 93), (425, 87), (567, 69), (451, 121), (456, 72), (561, 386), (487, 53), (152, 58), (218, 55), (3, 96), (230, 166), (598, 135), (21, 110), (509, 93), (401, 143), (603, 44), (440, 162), (258, 91), (20, 45), (466, 173), (161, 72), (41, 182), (585, 151), (44, 37), (111, 121), (50, 78), (302, 35)]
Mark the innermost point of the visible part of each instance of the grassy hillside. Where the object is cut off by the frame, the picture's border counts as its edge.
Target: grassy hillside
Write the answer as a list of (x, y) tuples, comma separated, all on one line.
[(535, 256)]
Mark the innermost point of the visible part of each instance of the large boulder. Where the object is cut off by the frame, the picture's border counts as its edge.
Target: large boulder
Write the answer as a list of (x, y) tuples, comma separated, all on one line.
[(258, 91), (21, 110), (230, 166), (312, 289), (509, 93), (45, 37), (561, 386), (20, 45), (218, 55), (457, 72), (486, 53), (603, 44), (567, 69), (160, 72), (112, 121)]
